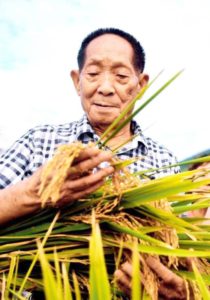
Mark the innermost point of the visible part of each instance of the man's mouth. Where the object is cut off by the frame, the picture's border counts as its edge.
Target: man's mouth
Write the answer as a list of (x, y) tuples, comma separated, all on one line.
[(104, 105)]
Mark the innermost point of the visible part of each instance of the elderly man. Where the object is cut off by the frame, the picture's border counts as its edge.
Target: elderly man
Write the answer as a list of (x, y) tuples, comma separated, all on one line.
[(111, 64)]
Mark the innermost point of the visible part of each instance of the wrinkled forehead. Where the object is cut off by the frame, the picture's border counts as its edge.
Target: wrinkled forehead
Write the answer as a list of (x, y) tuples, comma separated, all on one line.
[(110, 45)]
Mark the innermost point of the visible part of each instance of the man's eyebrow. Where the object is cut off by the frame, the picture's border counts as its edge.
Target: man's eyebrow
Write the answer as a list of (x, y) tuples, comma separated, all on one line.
[(98, 62), (94, 62), (120, 65)]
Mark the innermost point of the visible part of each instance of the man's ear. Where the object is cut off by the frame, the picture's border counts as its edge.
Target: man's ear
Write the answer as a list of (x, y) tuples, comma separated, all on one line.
[(75, 78), (143, 79)]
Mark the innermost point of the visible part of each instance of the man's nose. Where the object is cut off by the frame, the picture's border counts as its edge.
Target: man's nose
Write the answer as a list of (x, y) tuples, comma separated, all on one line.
[(106, 85)]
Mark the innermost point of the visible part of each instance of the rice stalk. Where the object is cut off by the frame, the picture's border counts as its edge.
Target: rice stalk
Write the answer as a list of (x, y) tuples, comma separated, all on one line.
[(127, 210)]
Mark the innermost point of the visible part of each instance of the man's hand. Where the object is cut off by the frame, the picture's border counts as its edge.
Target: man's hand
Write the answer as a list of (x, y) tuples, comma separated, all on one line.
[(85, 176), (22, 198), (171, 286)]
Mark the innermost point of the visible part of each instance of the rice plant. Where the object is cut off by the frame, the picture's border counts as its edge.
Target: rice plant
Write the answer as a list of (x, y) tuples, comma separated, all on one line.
[(74, 252)]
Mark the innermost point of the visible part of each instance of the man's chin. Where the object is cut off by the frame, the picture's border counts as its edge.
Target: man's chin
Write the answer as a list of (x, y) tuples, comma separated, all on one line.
[(102, 122), (104, 118)]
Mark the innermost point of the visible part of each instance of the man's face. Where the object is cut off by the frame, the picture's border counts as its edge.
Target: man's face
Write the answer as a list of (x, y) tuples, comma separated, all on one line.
[(108, 80)]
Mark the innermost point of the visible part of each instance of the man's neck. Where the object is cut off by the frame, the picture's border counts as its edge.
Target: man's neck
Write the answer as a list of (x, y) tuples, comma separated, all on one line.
[(120, 138)]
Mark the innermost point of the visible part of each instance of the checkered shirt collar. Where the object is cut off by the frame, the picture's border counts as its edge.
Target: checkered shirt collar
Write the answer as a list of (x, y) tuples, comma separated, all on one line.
[(85, 133)]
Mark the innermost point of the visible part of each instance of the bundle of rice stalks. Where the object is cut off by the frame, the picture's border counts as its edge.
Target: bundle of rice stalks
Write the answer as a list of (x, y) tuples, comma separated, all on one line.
[(74, 252), (135, 213)]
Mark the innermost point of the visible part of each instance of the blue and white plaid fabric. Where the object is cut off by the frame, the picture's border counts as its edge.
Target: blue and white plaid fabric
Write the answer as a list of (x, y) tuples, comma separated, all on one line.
[(39, 144)]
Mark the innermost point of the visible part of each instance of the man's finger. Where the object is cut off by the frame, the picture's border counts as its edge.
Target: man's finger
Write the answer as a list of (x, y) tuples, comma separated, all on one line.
[(66, 198), (172, 293), (89, 164), (86, 153), (163, 272), (123, 281), (84, 182), (127, 268)]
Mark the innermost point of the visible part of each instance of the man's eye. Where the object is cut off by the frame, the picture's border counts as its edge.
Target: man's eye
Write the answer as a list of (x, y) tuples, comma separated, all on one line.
[(122, 76), (92, 74)]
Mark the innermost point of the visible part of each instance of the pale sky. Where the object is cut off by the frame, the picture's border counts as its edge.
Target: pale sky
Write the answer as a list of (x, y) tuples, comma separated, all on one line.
[(39, 40)]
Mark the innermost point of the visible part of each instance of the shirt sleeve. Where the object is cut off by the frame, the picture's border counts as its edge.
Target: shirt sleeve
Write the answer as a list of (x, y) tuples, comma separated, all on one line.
[(15, 161)]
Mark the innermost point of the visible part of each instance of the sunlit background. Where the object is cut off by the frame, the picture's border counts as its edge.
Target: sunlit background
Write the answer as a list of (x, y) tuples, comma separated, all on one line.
[(39, 40)]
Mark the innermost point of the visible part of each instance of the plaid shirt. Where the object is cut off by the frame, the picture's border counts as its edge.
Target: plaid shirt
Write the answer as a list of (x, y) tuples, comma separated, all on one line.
[(39, 144)]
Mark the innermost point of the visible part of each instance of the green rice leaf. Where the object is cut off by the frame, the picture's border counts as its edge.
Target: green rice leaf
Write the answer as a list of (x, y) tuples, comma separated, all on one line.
[(76, 287), (67, 295), (202, 286), (17, 296), (108, 241), (128, 108), (10, 276), (160, 188), (137, 234), (135, 281), (191, 276), (99, 283), (37, 255), (51, 290), (57, 272), (131, 116)]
